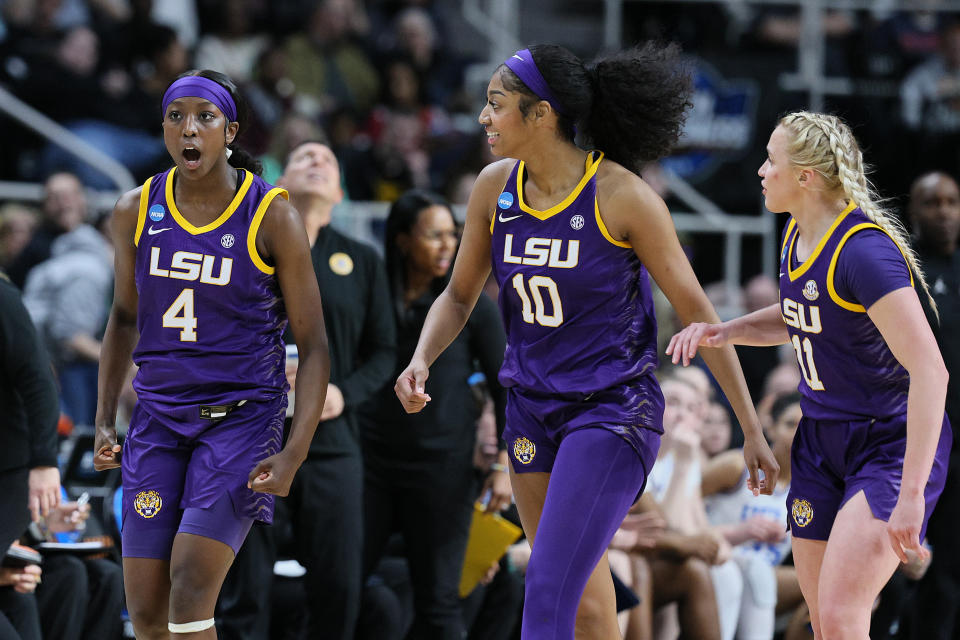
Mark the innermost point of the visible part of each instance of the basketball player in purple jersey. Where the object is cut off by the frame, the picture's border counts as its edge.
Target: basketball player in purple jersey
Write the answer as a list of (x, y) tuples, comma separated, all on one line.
[(869, 458), (210, 262), (571, 235)]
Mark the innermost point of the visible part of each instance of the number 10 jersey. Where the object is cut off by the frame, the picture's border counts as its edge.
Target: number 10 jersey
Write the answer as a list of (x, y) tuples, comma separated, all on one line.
[(576, 303)]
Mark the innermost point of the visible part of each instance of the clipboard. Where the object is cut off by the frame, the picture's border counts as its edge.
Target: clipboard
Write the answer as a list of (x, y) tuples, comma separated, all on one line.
[(490, 536)]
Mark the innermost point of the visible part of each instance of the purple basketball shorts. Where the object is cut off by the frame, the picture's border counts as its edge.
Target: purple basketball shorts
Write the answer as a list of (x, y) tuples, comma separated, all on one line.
[(833, 460), (173, 483), (537, 424)]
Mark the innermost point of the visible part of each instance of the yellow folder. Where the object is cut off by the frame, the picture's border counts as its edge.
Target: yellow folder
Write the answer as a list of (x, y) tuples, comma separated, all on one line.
[(490, 536)]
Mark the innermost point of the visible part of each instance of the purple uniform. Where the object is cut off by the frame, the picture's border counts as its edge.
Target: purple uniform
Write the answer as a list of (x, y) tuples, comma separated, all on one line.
[(211, 387), (852, 436), (579, 317)]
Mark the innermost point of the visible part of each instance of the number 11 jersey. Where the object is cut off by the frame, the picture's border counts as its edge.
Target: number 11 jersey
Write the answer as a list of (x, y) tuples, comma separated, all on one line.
[(847, 370)]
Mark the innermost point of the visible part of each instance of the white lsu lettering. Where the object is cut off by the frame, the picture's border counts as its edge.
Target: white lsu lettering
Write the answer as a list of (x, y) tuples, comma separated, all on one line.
[(795, 315), (186, 265), (542, 251)]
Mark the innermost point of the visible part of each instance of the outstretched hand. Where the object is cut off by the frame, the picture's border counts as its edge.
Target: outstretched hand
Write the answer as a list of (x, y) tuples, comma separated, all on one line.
[(683, 345), (410, 387)]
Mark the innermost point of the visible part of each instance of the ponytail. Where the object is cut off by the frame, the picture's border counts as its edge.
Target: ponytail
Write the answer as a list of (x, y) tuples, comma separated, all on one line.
[(240, 158), (640, 101), (827, 145), (631, 104)]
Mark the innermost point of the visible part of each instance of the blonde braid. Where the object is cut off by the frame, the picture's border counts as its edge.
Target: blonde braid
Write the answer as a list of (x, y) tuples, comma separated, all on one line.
[(849, 174)]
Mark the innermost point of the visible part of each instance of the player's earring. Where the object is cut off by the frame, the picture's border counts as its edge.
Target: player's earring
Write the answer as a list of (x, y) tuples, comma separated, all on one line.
[(229, 152)]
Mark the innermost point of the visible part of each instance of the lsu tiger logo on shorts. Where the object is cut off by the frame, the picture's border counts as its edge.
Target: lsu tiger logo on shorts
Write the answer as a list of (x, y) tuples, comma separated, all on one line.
[(802, 512), (524, 450), (148, 504)]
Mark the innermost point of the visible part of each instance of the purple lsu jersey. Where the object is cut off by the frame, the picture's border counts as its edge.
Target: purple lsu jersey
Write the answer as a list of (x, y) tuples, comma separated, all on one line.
[(576, 303), (210, 313), (847, 370)]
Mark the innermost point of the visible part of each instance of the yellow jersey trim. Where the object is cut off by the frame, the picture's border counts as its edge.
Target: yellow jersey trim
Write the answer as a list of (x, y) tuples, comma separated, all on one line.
[(255, 227), (832, 290), (223, 217), (603, 228), (786, 236), (142, 213), (802, 269), (591, 165)]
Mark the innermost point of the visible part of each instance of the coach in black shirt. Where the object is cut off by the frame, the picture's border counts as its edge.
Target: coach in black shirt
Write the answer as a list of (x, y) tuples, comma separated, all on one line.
[(325, 501), (29, 409)]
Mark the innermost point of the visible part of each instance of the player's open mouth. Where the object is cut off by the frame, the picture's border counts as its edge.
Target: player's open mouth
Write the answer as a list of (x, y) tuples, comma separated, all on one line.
[(192, 157)]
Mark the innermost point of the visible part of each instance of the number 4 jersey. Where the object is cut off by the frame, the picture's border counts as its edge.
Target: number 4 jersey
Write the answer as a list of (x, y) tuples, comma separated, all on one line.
[(576, 303), (210, 313), (847, 370)]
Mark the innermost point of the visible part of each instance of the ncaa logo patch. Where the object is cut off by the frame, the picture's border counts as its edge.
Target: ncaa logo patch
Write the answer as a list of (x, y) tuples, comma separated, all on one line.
[(810, 290), (227, 240), (576, 222), (505, 201), (148, 504), (524, 450), (156, 212), (801, 512)]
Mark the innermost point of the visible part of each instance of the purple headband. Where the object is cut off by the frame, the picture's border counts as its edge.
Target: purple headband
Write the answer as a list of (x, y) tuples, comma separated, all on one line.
[(200, 87), (522, 64)]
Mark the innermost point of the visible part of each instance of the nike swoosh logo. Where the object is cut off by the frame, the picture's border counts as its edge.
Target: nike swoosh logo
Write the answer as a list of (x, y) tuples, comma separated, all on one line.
[(502, 219), (154, 232), (518, 58)]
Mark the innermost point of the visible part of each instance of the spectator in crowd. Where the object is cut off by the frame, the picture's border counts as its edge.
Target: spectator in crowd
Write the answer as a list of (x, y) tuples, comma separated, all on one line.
[(81, 597), (419, 476), (19, 616), (17, 224), (934, 212), (930, 101), (754, 526), (64, 209), (414, 37), (327, 66), (270, 94), (402, 129), (232, 49), (675, 485), (325, 501), (715, 430), (670, 572), (28, 453), (68, 297)]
